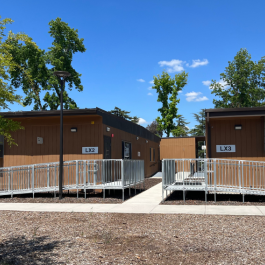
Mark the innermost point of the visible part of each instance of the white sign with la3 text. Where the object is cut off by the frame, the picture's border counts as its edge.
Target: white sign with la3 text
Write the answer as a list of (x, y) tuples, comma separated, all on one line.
[(89, 150), (227, 148)]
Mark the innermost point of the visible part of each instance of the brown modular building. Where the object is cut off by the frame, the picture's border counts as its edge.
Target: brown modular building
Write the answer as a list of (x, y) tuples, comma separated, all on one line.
[(236, 133), (179, 147), (88, 134)]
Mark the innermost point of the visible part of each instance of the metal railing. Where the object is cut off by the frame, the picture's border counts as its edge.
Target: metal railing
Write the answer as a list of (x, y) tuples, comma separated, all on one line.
[(77, 174), (214, 175)]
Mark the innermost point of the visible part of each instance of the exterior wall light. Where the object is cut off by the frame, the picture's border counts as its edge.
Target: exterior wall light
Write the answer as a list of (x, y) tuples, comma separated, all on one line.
[(73, 129), (137, 138), (146, 141), (108, 129), (238, 127)]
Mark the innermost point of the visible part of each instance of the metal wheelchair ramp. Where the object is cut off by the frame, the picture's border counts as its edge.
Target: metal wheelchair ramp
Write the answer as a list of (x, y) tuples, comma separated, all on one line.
[(213, 175), (78, 174)]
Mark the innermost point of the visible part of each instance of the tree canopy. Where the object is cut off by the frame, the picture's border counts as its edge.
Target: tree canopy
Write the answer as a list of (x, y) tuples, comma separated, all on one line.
[(7, 91), (167, 89), (153, 128), (243, 83), (34, 67), (124, 114), (199, 129), (181, 128)]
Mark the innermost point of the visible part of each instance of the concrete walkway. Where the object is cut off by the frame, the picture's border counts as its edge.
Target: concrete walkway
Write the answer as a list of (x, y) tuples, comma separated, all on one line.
[(145, 202)]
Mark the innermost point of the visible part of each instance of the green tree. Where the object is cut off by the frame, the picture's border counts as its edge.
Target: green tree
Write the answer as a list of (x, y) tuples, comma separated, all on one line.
[(7, 92), (40, 65), (181, 128), (124, 114), (199, 129), (167, 89), (243, 83), (153, 128)]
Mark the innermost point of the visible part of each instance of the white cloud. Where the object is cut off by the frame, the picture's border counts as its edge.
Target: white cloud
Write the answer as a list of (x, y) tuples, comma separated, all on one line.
[(140, 80), (174, 65), (207, 82), (195, 96), (150, 94), (180, 91), (196, 63), (149, 88), (151, 82), (142, 121)]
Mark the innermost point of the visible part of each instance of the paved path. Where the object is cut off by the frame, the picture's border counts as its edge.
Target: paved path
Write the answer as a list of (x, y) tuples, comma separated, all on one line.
[(145, 202)]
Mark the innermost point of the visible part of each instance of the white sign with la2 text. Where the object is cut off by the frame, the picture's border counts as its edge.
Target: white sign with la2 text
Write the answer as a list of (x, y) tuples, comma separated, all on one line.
[(89, 150), (227, 148)]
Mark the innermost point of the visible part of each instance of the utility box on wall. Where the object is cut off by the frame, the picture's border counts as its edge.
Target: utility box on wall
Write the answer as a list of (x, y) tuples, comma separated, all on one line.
[(39, 140)]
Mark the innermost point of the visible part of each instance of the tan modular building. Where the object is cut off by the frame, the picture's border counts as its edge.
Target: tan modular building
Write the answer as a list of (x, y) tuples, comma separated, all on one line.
[(236, 133), (179, 147), (88, 134)]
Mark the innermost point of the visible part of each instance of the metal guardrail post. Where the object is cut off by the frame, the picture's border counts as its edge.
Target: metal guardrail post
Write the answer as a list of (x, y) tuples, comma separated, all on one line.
[(32, 181), (55, 175), (9, 180), (76, 173), (205, 178), (239, 176), (84, 179), (122, 178), (183, 165), (215, 180), (242, 181), (48, 176), (12, 183), (163, 178)]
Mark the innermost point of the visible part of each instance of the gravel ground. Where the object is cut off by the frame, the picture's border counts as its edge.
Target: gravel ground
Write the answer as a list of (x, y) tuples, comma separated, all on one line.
[(115, 196), (198, 198), (101, 238)]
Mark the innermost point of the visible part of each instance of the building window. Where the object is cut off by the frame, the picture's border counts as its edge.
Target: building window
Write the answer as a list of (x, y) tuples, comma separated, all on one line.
[(152, 154), (126, 150)]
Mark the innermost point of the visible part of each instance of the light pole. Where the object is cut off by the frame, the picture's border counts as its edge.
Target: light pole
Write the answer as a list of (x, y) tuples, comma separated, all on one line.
[(61, 76)]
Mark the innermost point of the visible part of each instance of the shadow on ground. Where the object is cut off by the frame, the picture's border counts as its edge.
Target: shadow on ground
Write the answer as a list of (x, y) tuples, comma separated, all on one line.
[(20, 250)]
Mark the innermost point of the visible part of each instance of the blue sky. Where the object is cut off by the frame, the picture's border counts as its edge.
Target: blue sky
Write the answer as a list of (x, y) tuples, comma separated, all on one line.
[(134, 40)]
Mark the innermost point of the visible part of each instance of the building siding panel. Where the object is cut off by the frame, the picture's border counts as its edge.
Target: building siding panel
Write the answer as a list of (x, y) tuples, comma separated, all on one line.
[(178, 148)]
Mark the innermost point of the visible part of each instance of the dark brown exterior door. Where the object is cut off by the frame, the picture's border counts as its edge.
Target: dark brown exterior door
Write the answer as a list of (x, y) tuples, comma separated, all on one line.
[(107, 147)]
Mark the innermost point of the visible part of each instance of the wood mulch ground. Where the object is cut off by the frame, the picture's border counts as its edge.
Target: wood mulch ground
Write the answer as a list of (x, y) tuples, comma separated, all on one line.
[(104, 238), (198, 198), (111, 196)]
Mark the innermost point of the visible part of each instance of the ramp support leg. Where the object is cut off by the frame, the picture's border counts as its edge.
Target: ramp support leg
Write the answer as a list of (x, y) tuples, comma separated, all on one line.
[(215, 196), (103, 193), (123, 195), (243, 198)]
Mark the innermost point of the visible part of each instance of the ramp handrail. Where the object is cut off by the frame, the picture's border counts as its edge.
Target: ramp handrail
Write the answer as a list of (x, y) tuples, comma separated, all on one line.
[(214, 175), (77, 174)]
